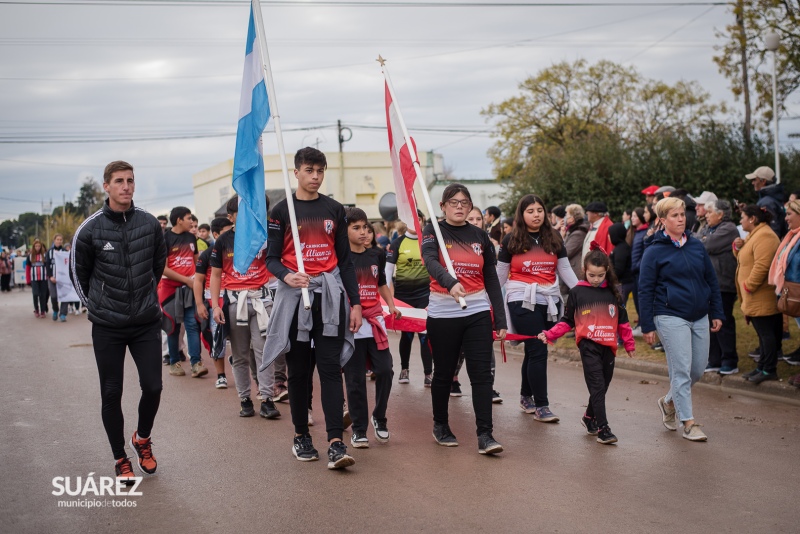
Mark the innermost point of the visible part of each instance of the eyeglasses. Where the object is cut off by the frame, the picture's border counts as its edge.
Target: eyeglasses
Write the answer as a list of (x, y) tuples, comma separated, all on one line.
[(454, 203)]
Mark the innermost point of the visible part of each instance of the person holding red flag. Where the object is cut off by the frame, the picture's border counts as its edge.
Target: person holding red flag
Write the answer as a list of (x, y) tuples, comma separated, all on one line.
[(452, 327)]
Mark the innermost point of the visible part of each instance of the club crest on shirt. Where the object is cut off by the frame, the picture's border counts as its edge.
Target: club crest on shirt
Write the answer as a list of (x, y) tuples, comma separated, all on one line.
[(477, 249), (374, 271), (191, 246), (328, 226), (612, 310), (526, 263)]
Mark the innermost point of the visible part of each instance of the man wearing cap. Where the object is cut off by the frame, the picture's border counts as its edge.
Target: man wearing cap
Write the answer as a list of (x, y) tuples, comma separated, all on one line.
[(770, 196), (650, 194), (599, 223), (701, 226)]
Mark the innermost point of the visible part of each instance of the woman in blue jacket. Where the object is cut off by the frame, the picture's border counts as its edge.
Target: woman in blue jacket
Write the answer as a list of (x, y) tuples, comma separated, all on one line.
[(678, 293)]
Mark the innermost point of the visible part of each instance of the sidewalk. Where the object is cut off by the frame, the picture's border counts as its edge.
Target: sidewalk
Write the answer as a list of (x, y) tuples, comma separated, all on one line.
[(777, 390)]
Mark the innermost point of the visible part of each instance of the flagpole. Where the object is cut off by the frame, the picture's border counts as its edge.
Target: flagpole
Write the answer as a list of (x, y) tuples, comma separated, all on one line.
[(413, 153), (276, 117)]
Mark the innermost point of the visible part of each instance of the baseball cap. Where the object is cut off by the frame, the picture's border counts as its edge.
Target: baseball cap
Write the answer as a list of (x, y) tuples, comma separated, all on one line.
[(706, 196), (649, 191), (665, 189), (765, 173)]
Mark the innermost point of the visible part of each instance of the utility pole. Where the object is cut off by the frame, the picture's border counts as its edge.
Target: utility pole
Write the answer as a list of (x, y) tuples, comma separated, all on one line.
[(64, 210), (340, 131)]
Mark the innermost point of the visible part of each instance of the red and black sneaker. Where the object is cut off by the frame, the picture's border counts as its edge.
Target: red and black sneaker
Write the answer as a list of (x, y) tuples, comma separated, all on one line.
[(144, 453), (124, 471)]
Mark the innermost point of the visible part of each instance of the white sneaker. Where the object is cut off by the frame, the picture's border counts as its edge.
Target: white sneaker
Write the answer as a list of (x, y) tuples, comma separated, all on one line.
[(222, 383), (667, 414), (693, 433), (637, 332)]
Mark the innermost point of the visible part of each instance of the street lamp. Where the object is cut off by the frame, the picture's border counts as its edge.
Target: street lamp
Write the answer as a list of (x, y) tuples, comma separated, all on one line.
[(773, 41)]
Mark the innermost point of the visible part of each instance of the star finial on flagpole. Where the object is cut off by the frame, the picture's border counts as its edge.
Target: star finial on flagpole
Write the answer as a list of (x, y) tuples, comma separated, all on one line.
[(380, 60)]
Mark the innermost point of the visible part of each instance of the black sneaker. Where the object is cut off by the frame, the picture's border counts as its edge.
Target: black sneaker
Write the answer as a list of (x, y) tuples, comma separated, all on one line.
[(589, 424), (359, 439), (443, 435), (657, 346), (488, 445), (182, 356), (793, 358), (455, 389), (496, 398), (268, 410), (247, 409), (338, 457), (751, 374), (381, 431), (605, 436), (763, 376), (165, 359), (304, 450)]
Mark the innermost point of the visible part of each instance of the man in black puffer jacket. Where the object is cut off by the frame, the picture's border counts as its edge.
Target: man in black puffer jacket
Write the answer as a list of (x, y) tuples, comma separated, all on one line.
[(117, 258)]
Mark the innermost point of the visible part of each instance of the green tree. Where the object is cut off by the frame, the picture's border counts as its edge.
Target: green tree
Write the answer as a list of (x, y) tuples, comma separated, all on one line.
[(744, 60), (90, 197)]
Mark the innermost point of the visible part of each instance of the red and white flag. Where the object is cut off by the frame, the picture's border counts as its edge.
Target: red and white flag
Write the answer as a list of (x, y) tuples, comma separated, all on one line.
[(405, 175)]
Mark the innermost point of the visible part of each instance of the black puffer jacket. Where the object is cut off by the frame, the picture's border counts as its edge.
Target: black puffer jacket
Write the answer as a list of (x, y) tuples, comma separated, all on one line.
[(116, 261)]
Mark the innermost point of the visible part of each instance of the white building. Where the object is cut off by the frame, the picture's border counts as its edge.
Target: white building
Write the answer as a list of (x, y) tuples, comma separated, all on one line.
[(355, 178)]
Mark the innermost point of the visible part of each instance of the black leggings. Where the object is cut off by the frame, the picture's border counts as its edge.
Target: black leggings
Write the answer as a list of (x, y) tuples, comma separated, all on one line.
[(144, 343), (40, 295), (328, 352), (447, 337), (5, 282), (598, 369), (534, 366)]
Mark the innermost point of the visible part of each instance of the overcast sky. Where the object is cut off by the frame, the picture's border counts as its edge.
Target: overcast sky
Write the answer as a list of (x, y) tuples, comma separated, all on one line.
[(88, 72)]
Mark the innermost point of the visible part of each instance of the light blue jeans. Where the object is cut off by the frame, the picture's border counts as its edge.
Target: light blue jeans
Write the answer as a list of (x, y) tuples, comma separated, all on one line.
[(686, 345)]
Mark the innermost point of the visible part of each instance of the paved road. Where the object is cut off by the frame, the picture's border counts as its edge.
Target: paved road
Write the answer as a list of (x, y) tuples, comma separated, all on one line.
[(220, 473)]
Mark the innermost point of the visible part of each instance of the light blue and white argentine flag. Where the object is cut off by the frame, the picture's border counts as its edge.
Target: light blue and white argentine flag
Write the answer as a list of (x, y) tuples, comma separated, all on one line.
[(248, 162)]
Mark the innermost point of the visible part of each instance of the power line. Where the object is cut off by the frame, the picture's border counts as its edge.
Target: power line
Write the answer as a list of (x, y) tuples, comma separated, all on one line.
[(332, 3)]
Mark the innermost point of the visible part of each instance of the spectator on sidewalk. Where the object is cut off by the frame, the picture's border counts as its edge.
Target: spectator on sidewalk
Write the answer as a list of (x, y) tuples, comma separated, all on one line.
[(770, 196), (718, 240), (757, 296), (6, 269), (573, 232), (701, 226), (786, 268), (599, 222), (492, 216)]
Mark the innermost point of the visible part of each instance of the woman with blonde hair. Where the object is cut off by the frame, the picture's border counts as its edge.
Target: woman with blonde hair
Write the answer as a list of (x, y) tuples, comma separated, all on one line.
[(678, 294)]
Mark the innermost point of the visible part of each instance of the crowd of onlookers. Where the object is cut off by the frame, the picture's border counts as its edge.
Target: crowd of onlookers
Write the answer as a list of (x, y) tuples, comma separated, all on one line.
[(753, 248)]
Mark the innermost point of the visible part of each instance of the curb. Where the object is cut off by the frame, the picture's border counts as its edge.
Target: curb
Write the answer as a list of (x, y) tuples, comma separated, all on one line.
[(777, 390)]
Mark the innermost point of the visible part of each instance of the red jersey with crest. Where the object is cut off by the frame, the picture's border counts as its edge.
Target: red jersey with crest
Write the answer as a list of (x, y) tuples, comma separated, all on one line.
[(534, 266), (322, 227), (181, 249), (595, 315), (256, 276), (370, 267), (472, 254)]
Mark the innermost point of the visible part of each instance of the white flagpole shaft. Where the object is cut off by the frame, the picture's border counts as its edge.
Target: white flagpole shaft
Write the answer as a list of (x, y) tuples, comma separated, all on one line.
[(273, 106), (421, 180)]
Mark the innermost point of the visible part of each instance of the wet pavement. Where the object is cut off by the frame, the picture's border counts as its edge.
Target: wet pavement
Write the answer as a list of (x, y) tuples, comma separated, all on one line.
[(221, 473)]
